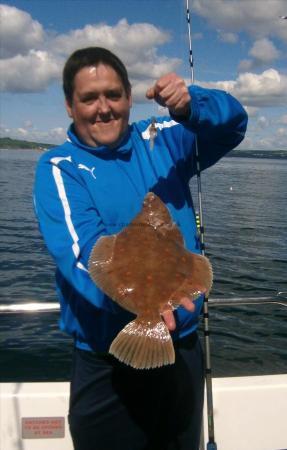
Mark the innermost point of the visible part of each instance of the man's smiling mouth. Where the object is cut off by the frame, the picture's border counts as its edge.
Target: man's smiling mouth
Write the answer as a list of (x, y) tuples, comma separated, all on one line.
[(105, 122)]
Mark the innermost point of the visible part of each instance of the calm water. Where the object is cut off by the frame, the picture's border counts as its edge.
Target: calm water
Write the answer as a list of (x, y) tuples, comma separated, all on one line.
[(245, 217)]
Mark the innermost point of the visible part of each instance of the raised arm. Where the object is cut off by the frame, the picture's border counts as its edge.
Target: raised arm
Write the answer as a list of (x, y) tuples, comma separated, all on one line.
[(219, 121), (217, 118)]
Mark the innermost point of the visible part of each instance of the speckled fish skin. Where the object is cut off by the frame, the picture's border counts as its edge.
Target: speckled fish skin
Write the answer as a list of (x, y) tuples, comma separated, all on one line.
[(146, 269)]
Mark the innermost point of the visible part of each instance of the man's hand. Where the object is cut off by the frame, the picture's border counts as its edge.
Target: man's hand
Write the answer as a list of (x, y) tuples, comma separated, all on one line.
[(168, 316), (171, 91)]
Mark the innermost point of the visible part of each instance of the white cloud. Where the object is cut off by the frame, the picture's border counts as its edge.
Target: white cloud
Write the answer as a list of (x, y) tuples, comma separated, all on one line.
[(266, 89), (29, 73), (22, 132), (122, 38), (31, 66), (283, 119), (28, 124), (264, 50), (136, 44), (151, 68), (139, 89), (257, 17), (230, 38), (282, 132), (58, 134), (263, 133), (263, 122), (275, 140), (19, 33), (52, 136), (245, 65), (197, 36), (55, 135), (4, 130), (252, 111)]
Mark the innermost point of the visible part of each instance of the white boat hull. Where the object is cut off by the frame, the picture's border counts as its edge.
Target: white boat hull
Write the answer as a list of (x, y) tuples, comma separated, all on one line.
[(249, 414)]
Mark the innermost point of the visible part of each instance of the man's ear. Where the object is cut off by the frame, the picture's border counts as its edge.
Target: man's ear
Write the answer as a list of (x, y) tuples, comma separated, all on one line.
[(69, 108)]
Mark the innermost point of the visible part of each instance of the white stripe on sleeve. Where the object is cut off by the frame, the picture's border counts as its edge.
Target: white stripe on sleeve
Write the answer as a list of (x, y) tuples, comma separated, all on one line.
[(67, 211)]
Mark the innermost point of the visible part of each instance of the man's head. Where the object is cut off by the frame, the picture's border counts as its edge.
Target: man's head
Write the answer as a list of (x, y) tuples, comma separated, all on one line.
[(98, 96), (91, 57)]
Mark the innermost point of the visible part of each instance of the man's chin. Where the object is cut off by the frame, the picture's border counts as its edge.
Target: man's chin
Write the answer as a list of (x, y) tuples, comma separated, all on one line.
[(110, 141)]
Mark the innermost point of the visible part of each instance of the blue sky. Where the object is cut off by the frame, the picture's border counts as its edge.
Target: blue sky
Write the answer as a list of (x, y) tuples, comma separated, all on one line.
[(238, 46)]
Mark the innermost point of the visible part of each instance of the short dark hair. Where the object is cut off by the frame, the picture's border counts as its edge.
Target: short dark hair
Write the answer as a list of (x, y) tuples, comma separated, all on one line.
[(91, 56)]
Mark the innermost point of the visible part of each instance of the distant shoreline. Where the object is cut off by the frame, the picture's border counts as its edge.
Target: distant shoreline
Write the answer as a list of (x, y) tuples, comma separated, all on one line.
[(15, 144), (263, 154), (7, 143)]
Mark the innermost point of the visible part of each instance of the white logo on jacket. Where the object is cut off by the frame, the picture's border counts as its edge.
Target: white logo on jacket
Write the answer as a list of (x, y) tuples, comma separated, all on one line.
[(82, 166)]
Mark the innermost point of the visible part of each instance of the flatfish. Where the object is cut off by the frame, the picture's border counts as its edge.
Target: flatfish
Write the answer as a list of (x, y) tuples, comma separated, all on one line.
[(146, 269)]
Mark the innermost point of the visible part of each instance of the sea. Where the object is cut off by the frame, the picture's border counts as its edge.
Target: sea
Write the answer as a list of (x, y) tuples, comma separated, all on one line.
[(244, 202)]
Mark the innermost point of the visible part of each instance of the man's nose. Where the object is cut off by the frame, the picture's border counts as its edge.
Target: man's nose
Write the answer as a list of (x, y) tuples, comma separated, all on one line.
[(103, 105)]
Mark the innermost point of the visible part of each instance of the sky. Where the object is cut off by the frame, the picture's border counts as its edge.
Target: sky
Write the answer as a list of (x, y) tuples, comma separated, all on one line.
[(238, 46)]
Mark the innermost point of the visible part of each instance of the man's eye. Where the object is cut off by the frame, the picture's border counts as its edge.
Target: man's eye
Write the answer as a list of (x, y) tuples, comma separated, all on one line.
[(114, 95), (88, 100)]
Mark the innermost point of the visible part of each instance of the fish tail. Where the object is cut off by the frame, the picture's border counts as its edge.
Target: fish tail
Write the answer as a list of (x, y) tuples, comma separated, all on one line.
[(144, 344)]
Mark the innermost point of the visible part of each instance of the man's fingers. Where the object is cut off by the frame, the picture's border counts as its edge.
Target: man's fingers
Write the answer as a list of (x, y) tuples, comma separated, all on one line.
[(171, 91), (163, 95), (153, 94), (169, 319), (168, 315), (150, 93), (188, 304)]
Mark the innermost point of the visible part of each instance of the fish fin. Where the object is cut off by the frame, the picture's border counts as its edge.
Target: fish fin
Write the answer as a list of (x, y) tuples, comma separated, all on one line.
[(102, 252), (197, 282), (100, 262), (144, 344), (202, 273), (104, 271)]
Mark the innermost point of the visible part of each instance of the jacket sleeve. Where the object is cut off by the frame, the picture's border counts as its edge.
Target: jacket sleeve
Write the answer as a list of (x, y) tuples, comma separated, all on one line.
[(219, 122), (69, 223)]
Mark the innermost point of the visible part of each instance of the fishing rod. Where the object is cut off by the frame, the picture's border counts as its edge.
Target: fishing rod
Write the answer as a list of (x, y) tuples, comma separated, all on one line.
[(211, 445)]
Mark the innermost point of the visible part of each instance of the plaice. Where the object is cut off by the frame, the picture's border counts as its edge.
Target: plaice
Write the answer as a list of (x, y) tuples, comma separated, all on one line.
[(146, 269)]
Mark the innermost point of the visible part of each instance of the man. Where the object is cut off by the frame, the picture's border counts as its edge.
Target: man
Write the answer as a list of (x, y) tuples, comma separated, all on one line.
[(94, 185)]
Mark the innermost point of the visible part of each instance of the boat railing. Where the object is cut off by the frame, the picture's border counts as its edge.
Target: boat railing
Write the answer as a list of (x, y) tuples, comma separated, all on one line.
[(32, 306)]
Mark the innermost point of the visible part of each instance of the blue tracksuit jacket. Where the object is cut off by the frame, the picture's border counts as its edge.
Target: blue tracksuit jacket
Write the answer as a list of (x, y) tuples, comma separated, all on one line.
[(84, 192)]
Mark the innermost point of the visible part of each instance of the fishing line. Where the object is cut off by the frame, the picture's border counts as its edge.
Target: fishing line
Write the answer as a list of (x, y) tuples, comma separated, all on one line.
[(211, 445)]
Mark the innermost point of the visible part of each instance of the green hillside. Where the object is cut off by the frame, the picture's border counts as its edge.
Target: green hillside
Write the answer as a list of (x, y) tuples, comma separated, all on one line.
[(9, 143)]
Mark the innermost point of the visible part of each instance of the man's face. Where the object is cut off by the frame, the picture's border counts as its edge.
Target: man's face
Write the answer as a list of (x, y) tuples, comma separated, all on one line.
[(100, 106)]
